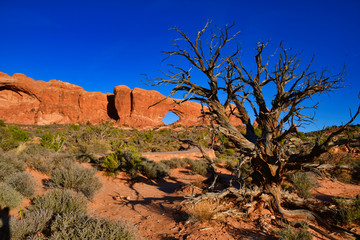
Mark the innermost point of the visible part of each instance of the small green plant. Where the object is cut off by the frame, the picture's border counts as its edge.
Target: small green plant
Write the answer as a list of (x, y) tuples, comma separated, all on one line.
[(2, 123), (61, 201), (22, 182), (9, 197), (74, 127), (302, 136), (55, 142), (258, 132), (348, 211), (290, 233), (303, 182), (229, 151), (78, 178)]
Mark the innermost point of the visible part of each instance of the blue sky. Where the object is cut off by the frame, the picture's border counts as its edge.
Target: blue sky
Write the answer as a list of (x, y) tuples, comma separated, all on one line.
[(101, 44)]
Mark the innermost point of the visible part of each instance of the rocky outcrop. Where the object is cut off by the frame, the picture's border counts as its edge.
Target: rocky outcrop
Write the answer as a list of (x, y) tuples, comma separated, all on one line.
[(139, 107), (26, 101)]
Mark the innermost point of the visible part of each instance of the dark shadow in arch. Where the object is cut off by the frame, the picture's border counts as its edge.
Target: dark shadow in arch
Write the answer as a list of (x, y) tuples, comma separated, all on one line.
[(111, 109), (5, 228)]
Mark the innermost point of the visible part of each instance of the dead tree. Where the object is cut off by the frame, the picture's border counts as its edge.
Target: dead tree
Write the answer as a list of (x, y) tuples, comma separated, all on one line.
[(230, 87)]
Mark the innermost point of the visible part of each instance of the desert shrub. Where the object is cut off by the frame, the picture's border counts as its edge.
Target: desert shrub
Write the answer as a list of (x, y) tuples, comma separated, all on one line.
[(55, 142), (19, 134), (9, 197), (128, 160), (303, 183), (155, 170), (203, 211), (230, 164), (61, 201), (229, 151), (175, 163), (290, 233), (10, 165), (302, 136), (76, 226), (74, 127), (22, 182), (199, 167), (111, 164), (33, 222), (38, 158), (76, 177), (348, 211), (2, 123)]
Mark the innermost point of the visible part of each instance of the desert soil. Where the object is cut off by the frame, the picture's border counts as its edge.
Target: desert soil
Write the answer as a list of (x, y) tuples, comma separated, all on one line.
[(153, 207)]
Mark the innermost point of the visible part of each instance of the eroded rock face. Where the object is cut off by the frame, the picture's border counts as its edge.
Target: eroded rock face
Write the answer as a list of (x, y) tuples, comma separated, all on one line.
[(26, 101), (139, 107)]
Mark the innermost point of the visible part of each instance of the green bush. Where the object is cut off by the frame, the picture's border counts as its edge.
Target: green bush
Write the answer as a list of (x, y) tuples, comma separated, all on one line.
[(33, 222), (74, 127), (127, 160), (290, 233), (18, 134), (78, 178), (2, 123), (22, 182), (75, 226), (303, 182), (199, 167), (55, 142), (61, 201), (176, 162), (9, 197), (155, 170)]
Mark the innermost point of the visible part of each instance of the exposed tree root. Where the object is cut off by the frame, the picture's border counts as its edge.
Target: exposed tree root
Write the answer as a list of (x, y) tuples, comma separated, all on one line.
[(254, 201)]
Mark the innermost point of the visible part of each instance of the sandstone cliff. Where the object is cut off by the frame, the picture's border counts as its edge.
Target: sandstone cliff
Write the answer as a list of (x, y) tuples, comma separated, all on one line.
[(26, 101)]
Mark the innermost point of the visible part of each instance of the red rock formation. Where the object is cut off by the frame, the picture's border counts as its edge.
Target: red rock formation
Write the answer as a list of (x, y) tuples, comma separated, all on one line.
[(138, 108), (26, 101)]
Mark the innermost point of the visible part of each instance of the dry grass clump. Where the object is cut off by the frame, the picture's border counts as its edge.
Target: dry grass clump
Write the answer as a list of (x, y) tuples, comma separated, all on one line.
[(303, 182), (290, 233), (202, 211)]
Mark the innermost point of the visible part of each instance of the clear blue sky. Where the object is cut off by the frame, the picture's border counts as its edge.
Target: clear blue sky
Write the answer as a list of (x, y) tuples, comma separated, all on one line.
[(102, 44)]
